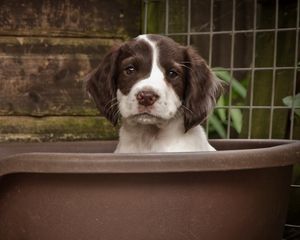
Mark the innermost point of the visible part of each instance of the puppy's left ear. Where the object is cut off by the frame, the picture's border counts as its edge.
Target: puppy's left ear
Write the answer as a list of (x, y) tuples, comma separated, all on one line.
[(101, 85), (202, 90)]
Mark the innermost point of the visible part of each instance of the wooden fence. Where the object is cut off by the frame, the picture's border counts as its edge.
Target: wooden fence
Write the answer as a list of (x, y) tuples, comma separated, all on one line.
[(46, 49)]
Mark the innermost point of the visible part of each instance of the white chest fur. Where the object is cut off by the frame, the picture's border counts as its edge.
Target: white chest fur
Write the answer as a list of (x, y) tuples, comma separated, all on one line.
[(168, 138)]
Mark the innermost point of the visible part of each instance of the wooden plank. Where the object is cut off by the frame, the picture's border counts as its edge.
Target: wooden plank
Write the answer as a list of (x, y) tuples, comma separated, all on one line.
[(28, 45), (70, 18), (43, 76), (55, 129), (46, 49)]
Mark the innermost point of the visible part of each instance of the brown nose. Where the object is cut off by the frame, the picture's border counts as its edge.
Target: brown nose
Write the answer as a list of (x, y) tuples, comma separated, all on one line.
[(146, 98)]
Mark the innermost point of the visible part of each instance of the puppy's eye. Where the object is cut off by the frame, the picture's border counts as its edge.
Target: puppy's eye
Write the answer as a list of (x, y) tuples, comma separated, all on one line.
[(129, 70), (172, 73)]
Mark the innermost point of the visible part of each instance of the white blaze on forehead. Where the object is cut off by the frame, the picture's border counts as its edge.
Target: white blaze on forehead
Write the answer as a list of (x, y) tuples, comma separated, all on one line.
[(156, 74), (153, 47)]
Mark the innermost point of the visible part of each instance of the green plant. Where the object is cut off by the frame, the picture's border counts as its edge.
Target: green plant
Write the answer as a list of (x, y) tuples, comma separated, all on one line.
[(218, 120), (290, 100)]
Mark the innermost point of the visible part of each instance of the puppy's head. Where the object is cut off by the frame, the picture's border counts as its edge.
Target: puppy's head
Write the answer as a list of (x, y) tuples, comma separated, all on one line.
[(152, 79)]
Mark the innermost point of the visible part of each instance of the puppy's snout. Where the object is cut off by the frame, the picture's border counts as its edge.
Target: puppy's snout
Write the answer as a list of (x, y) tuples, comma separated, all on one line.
[(146, 98)]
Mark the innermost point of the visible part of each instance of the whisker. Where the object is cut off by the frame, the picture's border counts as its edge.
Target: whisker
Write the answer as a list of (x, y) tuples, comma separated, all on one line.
[(178, 114), (112, 105), (182, 65), (116, 115), (109, 102), (186, 108)]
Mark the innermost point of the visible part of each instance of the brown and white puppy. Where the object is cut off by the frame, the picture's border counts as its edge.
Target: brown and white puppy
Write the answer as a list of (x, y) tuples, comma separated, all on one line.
[(161, 91)]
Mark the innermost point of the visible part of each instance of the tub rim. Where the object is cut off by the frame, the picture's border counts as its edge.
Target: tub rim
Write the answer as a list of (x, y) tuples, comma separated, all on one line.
[(278, 153)]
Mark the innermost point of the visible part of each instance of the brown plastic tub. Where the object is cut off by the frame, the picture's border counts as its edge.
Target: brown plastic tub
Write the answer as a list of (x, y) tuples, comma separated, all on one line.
[(82, 191)]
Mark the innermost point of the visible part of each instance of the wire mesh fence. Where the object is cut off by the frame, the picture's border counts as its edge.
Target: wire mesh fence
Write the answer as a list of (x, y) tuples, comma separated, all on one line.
[(254, 46), (254, 52)]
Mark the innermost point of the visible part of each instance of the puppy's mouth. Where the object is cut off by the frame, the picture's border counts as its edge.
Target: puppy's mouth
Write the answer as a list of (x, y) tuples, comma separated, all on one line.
[(147, 118)]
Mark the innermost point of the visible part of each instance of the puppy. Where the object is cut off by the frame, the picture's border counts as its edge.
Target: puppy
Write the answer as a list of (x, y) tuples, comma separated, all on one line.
[(160, 92)]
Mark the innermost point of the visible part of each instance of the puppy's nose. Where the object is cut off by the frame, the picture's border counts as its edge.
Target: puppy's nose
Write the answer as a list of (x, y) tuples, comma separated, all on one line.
[(146, 98)]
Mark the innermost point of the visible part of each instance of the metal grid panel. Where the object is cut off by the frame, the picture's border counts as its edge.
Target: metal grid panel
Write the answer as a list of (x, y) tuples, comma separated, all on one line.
[(211, 33), (232, 68)]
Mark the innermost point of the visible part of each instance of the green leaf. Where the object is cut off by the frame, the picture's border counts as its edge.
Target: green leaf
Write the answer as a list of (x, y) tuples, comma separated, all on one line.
[(237, 119), (288, 101), (239, 88), (218, 126), (236, 85), (222, 74), (221, 111)]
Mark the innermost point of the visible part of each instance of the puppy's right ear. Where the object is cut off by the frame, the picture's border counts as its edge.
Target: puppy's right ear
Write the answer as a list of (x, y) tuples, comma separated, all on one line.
[(203, 89), (102, 86)]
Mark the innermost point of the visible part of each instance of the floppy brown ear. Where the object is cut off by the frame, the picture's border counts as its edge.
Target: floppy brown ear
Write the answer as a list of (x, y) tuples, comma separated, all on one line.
[(101, 85), (203, 89)]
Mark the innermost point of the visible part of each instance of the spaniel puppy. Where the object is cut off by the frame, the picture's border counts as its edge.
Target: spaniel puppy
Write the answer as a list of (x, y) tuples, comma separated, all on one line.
[(160, 91)]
